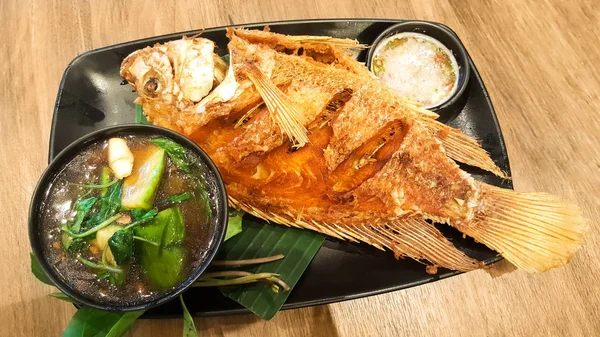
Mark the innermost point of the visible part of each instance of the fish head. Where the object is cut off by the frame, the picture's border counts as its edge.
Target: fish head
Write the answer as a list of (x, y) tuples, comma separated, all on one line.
[(178, 72)]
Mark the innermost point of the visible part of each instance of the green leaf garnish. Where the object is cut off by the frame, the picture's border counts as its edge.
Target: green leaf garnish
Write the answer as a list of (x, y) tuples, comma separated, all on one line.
[(189, 328), (88, 322), (140, 118), (234, 223), (37, 270), (124, 324), (61, 296)]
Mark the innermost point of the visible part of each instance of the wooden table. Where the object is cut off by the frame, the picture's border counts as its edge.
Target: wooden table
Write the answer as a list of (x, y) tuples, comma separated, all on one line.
[(539, 60)]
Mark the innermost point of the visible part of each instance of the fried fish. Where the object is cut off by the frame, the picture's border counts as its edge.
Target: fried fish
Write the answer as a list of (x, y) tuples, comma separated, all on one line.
[(305, 136)]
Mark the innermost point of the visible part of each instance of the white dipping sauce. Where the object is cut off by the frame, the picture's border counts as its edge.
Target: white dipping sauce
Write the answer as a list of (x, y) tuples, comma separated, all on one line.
[(416, 66)]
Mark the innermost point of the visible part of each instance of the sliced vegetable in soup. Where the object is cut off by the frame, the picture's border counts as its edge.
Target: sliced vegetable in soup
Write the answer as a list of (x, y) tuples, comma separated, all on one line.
[(128, 218)]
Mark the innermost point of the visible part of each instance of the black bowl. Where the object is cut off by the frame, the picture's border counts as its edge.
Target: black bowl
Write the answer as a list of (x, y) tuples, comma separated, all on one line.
[(449, 39), (216, 186)]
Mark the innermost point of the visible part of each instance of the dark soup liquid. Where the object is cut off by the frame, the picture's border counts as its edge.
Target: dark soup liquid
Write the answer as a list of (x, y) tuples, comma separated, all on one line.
[(124, 241)]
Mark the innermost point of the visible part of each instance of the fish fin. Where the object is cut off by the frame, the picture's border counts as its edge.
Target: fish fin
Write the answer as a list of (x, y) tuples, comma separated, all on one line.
[(420, 240), (258, 36), (415, 238), (412, 237), (534, 231), (332, 41), (462, 148), (282, 109), (247, 115), (418, 108)]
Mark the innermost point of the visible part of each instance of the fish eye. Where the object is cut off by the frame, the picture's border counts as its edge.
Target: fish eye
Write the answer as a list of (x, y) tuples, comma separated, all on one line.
[(151, 87)]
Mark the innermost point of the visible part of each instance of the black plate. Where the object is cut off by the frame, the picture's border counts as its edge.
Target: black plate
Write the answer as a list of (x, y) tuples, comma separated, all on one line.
[(91, 97)]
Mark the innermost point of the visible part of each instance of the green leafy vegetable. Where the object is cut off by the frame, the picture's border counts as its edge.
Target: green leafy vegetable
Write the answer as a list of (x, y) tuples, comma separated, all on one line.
[(179, 198), (83, 207), (99, 266), (177, 154), (261, 239), (137, 213), (93, 229), (61, 296), (201, 194), (88, 322), (37, 270), (109, 204), (189, 328), (140, 118), (71, 244), (234, 223), (173, 200), (181, 160), (121, 246), (115, 279), (142, 219)]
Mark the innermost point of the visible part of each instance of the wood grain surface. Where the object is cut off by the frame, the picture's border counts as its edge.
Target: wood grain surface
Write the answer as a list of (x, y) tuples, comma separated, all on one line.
[(539, 59)]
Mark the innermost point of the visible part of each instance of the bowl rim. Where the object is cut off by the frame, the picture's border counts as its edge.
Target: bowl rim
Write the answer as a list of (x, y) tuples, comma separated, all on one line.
[(461, 55), (69, 152)]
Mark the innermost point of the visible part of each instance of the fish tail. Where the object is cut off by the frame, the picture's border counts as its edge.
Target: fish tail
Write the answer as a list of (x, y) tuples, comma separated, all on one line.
[(534, 231), (462, 148)]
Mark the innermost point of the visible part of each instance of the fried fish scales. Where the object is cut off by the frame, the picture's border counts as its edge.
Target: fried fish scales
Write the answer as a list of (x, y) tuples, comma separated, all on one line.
[(304, 136)]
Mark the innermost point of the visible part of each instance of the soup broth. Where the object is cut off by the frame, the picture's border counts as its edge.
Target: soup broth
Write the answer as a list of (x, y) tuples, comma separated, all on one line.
[(179, 195)]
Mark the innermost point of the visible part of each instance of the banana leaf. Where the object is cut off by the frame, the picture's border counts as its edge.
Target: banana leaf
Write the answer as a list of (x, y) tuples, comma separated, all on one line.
[(260, 239), (140, 118)]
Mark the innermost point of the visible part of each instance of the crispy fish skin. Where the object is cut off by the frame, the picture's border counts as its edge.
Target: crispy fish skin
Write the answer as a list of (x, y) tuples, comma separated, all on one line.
[(373, 165)]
